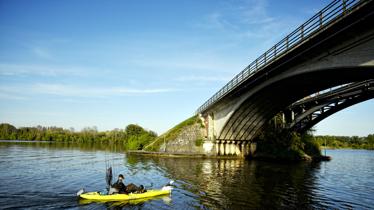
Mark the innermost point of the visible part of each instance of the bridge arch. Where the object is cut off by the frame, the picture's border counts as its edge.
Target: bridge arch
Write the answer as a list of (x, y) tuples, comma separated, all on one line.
[(277, 95), (311, 111)]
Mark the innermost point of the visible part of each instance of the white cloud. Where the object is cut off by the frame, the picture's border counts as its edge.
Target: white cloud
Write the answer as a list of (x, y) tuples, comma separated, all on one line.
[(246, 19), (254, 12), (196, 62), (18, 92), (39, 70), (235, 15), (216, 20)]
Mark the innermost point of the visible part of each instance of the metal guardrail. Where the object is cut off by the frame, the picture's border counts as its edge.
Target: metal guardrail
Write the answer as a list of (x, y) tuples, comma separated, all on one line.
[(315, 24)]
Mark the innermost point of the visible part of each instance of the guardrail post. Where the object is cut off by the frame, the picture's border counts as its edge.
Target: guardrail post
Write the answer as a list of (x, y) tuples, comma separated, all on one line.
[(302, 31), (344, 6), (256, 63), (265, 58), (320, 19), (275, 51), (287, 42)]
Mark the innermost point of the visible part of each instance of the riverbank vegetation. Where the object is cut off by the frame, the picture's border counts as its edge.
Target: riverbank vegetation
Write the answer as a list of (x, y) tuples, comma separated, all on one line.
[(353, 142), (133, 137), (278, 143)]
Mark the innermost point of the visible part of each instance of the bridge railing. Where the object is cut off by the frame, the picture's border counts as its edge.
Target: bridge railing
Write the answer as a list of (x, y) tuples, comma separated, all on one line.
[(337, 89), (323, 92), (324, 18)]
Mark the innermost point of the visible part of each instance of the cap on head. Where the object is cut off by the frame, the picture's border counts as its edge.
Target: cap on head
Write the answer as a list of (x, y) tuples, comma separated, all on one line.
[(121, 176)]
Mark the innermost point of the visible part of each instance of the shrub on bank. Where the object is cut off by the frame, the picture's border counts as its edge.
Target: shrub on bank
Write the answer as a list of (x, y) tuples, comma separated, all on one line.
[(275, 142)]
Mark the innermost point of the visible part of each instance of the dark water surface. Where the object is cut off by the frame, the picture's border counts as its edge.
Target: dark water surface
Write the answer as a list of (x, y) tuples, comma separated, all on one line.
[(47, 176)]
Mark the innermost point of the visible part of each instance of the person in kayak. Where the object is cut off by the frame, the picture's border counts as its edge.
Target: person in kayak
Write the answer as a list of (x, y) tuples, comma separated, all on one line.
[(118, 186), (121, 188)]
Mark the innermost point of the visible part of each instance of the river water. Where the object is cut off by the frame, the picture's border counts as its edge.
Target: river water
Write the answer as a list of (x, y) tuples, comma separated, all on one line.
[(47, 175)]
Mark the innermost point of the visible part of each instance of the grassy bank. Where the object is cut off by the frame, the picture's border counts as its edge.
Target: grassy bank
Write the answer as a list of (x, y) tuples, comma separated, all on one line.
[(171, 134)]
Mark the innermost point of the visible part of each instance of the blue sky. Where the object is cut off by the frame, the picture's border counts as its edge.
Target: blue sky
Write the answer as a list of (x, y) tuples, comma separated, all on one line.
[(110, 63)]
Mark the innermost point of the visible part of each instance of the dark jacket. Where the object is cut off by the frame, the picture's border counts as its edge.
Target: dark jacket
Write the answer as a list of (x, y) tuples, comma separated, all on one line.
[(120, 187)]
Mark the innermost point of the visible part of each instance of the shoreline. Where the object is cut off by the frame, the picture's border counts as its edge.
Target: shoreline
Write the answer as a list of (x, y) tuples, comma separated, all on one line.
[(190, 155), (68, 141), (180, 155)]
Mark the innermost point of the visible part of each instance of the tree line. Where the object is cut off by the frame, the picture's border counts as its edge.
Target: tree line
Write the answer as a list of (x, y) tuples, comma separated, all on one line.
[(133, 137), (354, 142)]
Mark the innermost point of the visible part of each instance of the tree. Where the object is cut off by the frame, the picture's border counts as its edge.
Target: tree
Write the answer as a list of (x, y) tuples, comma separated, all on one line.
[(134, 130), (8, 131), (370, 141)]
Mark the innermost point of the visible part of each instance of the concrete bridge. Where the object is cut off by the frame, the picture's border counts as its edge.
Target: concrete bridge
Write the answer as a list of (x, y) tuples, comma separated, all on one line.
[(322, 67)]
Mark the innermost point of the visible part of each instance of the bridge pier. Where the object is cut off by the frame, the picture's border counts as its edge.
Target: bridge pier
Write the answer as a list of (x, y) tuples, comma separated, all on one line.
[(210, 127), (234, 148), (228, 148), (243, 150), (238, 151), (222, 148), (217, 146)]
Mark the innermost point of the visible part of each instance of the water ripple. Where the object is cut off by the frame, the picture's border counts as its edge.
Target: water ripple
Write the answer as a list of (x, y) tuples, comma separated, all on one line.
[(45, 176)]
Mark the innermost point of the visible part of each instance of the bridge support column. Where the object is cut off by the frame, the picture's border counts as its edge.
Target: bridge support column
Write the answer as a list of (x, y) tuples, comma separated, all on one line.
[(252, 149), (237, 148), (222, 147), (232, 147), (210, 123), (244, 148), (248, 149), (227, 148), (217, 147)]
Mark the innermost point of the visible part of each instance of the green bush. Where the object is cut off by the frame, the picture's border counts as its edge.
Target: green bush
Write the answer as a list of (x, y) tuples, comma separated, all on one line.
[(279, 143), (311, 147)]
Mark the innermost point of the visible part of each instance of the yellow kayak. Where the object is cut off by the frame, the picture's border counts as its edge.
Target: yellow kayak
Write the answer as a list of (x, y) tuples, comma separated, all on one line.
[(123, 197)]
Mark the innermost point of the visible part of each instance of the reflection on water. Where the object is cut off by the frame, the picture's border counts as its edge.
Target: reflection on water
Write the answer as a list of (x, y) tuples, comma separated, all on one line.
[(90, 146), (47, 175), (232, 184)]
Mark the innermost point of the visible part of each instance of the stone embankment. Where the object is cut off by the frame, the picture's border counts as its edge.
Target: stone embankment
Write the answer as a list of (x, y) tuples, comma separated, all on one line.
[(185, 138)]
